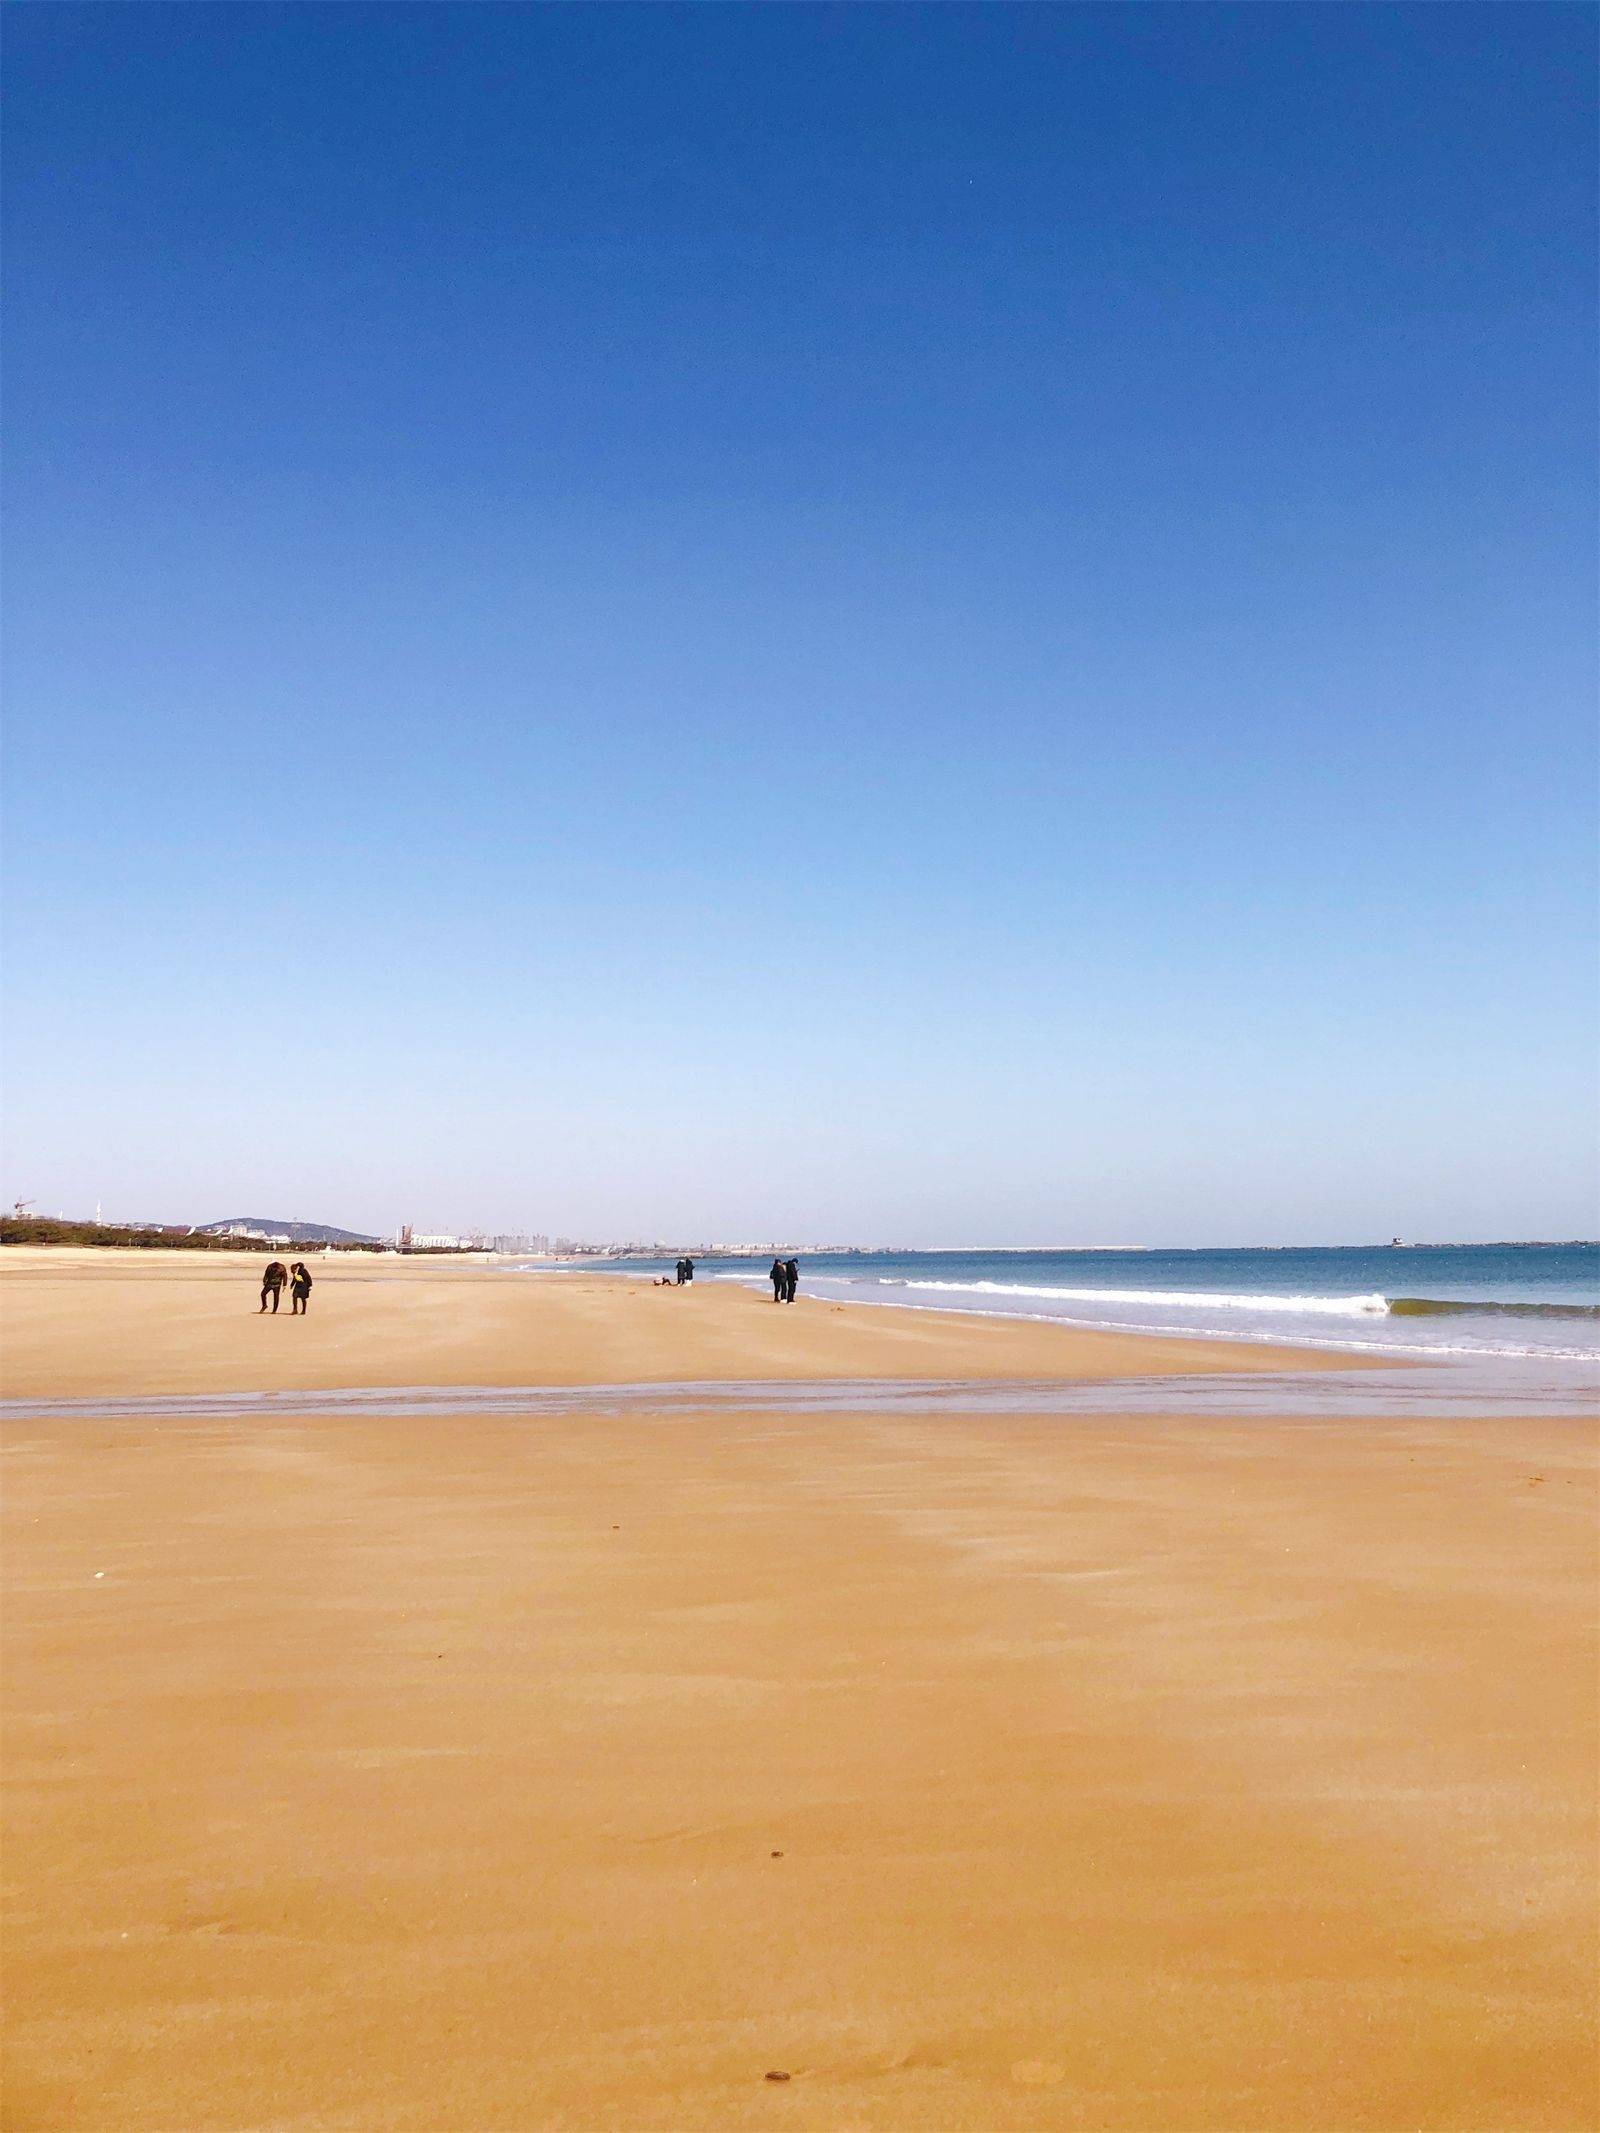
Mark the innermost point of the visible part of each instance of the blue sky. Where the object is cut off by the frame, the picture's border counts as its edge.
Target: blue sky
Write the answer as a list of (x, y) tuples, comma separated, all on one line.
[(919, 624)]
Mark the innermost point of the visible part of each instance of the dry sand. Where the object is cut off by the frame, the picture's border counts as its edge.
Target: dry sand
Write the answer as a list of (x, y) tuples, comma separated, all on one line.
[(1139, 1773)]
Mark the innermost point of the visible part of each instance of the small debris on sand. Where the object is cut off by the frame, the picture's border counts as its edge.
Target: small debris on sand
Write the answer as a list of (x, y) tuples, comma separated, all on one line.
[(778, 2077)]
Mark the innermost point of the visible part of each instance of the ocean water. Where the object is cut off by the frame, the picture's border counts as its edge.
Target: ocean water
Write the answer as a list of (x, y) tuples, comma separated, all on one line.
[(1517, 1302)]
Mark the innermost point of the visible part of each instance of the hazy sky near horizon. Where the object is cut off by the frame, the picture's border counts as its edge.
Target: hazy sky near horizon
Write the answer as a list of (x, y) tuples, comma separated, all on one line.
[(887, 624)]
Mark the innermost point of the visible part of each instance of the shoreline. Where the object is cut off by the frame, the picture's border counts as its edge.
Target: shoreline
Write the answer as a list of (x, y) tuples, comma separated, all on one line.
[(82, 1322), (1398, 1328)]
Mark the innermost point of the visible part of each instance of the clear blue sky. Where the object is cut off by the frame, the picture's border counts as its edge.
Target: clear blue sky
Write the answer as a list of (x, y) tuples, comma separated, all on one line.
[(931, 624)]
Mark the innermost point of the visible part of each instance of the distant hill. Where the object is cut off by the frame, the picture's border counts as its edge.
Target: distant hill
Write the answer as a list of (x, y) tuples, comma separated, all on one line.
[(296, 1232)]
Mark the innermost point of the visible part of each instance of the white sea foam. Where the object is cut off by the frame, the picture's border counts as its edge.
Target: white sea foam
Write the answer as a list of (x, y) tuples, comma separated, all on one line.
[(1197, 1299), (1345, 1342)]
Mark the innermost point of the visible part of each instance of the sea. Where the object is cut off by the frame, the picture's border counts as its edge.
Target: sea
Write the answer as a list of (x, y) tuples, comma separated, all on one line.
[(1519, 1317)]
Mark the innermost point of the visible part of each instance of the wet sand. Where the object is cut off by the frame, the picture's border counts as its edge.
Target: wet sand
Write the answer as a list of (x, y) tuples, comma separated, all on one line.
[(1135, 1773)]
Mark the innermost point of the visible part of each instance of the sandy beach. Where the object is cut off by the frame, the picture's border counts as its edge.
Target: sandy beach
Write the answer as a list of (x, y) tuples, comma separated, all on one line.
[(77, 1323), (491, 1772)]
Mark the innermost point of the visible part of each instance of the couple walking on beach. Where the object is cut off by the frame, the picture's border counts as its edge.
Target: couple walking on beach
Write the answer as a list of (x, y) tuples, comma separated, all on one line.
[(785, 1279), (296, 1279)]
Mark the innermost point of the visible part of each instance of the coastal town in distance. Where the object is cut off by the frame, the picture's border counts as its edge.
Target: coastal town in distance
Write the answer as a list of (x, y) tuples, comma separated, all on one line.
[(23, 1226)]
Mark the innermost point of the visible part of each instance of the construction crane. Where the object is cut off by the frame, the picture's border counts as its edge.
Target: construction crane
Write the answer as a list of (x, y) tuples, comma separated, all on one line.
[(20, 1207)]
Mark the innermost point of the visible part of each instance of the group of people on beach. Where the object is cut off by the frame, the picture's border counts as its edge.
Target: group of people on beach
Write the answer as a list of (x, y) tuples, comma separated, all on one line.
[(785, 1278), (296, 1279)]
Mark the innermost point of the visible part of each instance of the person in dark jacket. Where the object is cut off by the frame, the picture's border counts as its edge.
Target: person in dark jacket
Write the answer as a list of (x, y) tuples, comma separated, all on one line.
[(791, 1279), (299, 1288), (273, 1282), (688, 1270), (779, 1277)]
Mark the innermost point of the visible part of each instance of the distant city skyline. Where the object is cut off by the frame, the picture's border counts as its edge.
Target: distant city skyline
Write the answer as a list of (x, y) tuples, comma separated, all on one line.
[(916, 622), (468, 1237)]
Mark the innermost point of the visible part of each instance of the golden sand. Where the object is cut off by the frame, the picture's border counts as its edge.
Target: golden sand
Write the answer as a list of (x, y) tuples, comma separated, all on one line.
[(485, 1773)]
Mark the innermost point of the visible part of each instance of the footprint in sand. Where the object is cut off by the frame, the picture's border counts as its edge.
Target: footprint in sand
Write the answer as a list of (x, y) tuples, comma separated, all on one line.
[(1037, 2073)]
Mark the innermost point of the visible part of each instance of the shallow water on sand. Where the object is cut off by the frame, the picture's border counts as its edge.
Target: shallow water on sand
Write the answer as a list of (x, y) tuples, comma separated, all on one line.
[(1481, 1387)]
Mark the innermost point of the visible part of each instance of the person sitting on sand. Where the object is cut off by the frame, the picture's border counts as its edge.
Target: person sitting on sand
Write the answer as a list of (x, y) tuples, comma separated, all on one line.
[(791, 1279), (272, 1284), (299, 1288), (779, 1277)]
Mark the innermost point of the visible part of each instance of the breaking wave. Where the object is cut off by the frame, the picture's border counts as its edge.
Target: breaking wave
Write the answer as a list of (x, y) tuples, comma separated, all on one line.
[(1197, 1299), (1368, 1306)]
